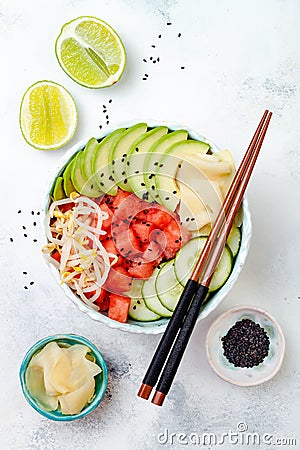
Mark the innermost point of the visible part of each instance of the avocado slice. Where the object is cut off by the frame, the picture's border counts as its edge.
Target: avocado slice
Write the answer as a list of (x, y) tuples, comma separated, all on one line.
[(136, 159), (68, 185), (117, 155), (168, 165), (100, 163), (81, 184), (58, 190), (87, 158), (155, 152)]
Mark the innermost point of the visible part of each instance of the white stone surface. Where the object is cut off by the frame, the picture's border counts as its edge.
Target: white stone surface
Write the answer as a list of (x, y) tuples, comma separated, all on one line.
[(239, 58)]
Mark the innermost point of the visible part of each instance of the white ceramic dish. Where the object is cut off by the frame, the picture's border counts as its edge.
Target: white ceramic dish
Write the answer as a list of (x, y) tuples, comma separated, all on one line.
[(245, 376), (160, 325)]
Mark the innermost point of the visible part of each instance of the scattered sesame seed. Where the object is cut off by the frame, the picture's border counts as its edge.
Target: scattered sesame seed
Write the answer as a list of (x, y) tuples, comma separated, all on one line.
[(34, 224), (100, 126), (25, 287), (104, 106), (110, 101), (159, 36), (151, 57), (32, 212), (19, 212), (169, 23), (104, 111), (34, 240), (153, 46), (144, 60), (38, 213), (158, 59), (179, 34), (11, 239), (154, 62), (107, 117), (31, 283), (182, 67), (107, 122), (144, 79), (25, 235)]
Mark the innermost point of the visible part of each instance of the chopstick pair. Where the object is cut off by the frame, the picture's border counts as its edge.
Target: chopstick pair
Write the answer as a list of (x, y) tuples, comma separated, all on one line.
[(173, 343)]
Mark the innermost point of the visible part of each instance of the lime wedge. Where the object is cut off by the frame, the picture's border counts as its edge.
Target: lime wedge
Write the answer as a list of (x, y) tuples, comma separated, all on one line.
[(90, 52), (48, 115)]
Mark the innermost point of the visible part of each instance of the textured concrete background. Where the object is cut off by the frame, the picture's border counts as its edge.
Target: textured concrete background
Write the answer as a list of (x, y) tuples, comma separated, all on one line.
[(238, 59)]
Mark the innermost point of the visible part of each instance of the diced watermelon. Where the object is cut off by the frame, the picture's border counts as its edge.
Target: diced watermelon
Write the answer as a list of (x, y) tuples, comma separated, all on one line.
[(141, 269), (126, 242), (172, 234), (103, 300), (118, 280), (106, 224), (56, 255), (119, 198), (153, 253), (66, 207), (159, 216), (118, 307), (142, 230), (110, 247)]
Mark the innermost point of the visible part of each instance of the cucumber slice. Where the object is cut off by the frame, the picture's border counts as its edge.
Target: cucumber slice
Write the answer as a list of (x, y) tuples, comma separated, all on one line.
[(136, 159), (58, 191), (139, 311), (101, 166), (68, 185), (150, 297), (167, 287), (80, 183), (187, 257), (117, 155), (234, 240), (222, 271)]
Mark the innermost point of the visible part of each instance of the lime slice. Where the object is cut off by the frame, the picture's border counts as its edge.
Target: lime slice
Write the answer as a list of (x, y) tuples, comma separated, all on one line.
[(48, 115), (90, 52)]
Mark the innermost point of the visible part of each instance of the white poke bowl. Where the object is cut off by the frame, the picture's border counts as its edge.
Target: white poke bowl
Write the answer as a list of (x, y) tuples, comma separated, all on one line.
[(159, 326)]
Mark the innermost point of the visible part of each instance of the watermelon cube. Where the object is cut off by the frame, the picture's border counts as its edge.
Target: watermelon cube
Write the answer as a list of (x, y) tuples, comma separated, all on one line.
[(118, 307)]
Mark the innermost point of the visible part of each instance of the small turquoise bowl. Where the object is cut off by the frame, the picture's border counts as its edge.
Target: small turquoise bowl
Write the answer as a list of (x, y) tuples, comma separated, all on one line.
[(101, 379)]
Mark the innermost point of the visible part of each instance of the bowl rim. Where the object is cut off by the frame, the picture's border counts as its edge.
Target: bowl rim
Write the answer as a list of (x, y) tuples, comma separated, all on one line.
[(77, 339), (220, 319), (159, 326)]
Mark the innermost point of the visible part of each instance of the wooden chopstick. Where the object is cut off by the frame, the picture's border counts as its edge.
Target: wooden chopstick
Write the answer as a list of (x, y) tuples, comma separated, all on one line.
[(192, 286), (208, 268)]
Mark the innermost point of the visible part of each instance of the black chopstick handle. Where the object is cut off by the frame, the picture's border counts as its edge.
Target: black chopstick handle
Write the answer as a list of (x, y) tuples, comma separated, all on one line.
[(181, 342), (169, 335)]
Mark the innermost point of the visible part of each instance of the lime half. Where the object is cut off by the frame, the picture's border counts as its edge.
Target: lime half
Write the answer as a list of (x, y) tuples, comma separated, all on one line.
[(48, 115), (91, 52)]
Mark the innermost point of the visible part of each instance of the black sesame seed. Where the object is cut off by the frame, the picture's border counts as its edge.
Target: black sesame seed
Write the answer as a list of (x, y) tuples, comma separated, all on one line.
[(156, 163), (123, 173), (151, 57), (25, 287), (144, 79), (104, 106), (104, 111), (38, 213), (139, 263), (106, 117), (107, 122), (182, 67), (161, 165), (19, 212), (92, 186), (167, 198), (139, 302), (154, 61), (23, 226), (128, 163), (110, 101), (34, 224), (143, 184), (144, 60), (158, 59), (24, 273), (187, 219), (137, 171), (32, 213), (179, 34), (136, 149), (125, 181), (100, 126), (134, 307), (169, 23), (31, 283), (153, 46), (25, 235), (159, 36), (101, 183), (176, 241), (34, 240), (192, 219), (11, 239), (174, 192), (113, 162), (124, 156)]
